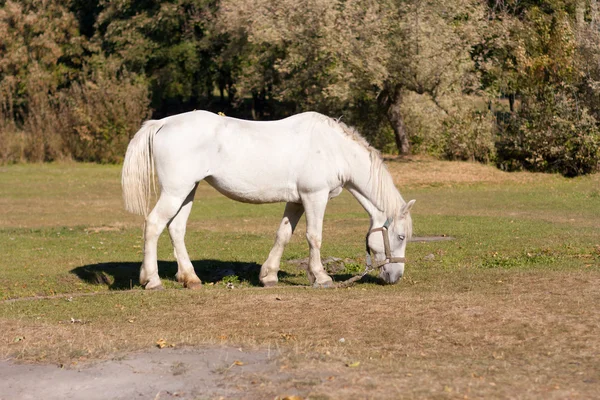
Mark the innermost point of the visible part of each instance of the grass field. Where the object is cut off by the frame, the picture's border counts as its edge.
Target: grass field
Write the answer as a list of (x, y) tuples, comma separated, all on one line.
[(508, 309)]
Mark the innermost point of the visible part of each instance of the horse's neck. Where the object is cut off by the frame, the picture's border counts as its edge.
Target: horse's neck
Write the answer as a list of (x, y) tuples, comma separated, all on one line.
[(377, 216), (373, 187)]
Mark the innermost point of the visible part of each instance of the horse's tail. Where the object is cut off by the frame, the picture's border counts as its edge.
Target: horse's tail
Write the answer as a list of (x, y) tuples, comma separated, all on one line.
[(137, 178)]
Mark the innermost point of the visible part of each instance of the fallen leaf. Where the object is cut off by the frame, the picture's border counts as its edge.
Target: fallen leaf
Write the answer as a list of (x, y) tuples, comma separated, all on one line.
[(18, 339), (236, 362), (353, 364), (161, 343), (287, 336)]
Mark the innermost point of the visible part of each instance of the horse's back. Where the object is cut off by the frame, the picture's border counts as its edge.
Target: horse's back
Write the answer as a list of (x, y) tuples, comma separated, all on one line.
[(250, 161)]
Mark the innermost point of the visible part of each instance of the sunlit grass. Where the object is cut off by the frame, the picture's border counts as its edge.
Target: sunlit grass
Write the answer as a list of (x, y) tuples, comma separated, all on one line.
[(550, 224), (511, 298)]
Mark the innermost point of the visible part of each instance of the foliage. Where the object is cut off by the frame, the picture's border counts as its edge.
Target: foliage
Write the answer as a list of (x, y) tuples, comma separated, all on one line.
[(40, 52), (77, 77), (168, 42), (468, 134), (339, 56), (102, 114), (464, 133), (55, 104), (556, 128), (555, 134)]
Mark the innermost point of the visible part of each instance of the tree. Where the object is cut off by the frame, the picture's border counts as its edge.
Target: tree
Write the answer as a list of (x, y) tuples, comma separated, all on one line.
[(333, 55), (40, 52), (169, 42), (555, 128)]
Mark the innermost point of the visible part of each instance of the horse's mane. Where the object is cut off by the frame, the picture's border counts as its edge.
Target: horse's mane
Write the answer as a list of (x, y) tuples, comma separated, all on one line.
[(386, 195)]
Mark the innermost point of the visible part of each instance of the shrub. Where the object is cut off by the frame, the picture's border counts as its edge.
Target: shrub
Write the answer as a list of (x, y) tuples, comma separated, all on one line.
[(459, 131), (551, 132), (91, 120), (103, 113), (423, 121), (468, 135)]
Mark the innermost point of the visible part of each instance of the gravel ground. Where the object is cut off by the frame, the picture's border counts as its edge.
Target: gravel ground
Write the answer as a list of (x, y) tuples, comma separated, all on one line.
[(168, 373)]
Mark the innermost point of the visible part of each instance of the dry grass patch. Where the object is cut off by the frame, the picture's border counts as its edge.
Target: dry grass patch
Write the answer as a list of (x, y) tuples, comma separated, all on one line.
[(426, 171), (508, 334)]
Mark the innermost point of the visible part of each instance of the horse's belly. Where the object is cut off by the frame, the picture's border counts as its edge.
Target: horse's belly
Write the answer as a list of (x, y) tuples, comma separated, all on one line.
[(254, 193)]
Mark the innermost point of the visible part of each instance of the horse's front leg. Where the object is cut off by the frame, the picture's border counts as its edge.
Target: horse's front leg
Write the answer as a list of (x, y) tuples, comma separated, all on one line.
[(291, 216), (314, 206)]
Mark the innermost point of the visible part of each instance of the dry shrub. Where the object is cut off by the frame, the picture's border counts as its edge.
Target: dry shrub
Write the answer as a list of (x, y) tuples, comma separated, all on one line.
[(551, 132), (104, 112), (89, 121), (34, 135), (468, 135), (423, 120), (461, 130), (11, 141), (44, 122)]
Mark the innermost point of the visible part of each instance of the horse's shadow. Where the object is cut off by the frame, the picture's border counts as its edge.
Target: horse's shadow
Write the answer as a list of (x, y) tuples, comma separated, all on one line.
[(125, 275)]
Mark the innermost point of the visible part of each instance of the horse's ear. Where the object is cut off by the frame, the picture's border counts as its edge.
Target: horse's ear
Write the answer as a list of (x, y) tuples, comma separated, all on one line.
[(407, 207)]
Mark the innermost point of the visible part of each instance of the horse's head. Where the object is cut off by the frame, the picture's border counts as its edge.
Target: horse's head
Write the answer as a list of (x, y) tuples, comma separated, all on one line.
[(390, 255)]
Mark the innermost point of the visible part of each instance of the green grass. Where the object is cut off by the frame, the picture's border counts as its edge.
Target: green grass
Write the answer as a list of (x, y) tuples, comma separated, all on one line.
[(49, 249)]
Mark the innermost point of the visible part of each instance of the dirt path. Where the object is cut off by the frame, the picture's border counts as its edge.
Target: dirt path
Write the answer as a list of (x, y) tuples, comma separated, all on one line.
[(188, 373)]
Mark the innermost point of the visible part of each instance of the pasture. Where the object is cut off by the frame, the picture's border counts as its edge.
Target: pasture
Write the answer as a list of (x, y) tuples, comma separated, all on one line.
[(507, 309)]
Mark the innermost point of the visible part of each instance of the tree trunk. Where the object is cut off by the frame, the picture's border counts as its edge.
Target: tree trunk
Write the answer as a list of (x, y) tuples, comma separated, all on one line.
[(394, 115)]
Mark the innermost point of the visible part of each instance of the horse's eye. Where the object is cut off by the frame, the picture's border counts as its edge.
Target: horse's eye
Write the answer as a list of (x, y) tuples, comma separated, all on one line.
[(401, 237)]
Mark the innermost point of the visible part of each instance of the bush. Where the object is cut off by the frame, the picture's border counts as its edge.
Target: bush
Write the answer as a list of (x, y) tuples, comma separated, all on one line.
[(103, 113), (91, 120), (423, 121), (468, 135), (460, 131), (550, 133)]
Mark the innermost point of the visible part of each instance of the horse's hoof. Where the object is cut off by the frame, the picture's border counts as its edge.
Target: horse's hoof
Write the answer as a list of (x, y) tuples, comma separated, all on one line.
[(193, 285), (323, 285), (269, 283), (159, 287)]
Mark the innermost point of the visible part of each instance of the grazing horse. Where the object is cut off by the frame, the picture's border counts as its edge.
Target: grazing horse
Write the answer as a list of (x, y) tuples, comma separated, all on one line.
[(303, 160)]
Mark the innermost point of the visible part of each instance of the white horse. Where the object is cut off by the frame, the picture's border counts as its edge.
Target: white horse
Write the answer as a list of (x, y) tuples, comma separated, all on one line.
[(303, 160)]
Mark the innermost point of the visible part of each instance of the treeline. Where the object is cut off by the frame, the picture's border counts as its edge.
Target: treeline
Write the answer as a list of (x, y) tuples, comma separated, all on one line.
[(516, 83)]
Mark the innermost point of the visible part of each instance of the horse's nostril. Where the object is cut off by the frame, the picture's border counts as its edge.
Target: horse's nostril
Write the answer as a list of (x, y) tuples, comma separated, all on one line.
[(385, 276)]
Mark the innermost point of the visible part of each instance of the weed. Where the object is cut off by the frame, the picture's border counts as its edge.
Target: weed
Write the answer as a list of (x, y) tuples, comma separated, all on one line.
[(353, 268), (231, 279)]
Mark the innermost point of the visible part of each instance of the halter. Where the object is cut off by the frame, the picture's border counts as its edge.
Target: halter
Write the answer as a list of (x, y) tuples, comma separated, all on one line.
[(386, 245), (378, 264)]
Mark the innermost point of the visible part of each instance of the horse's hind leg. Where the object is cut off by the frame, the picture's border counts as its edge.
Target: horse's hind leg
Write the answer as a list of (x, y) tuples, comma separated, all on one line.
[(166, 208), (291, 216), (177, 226)]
